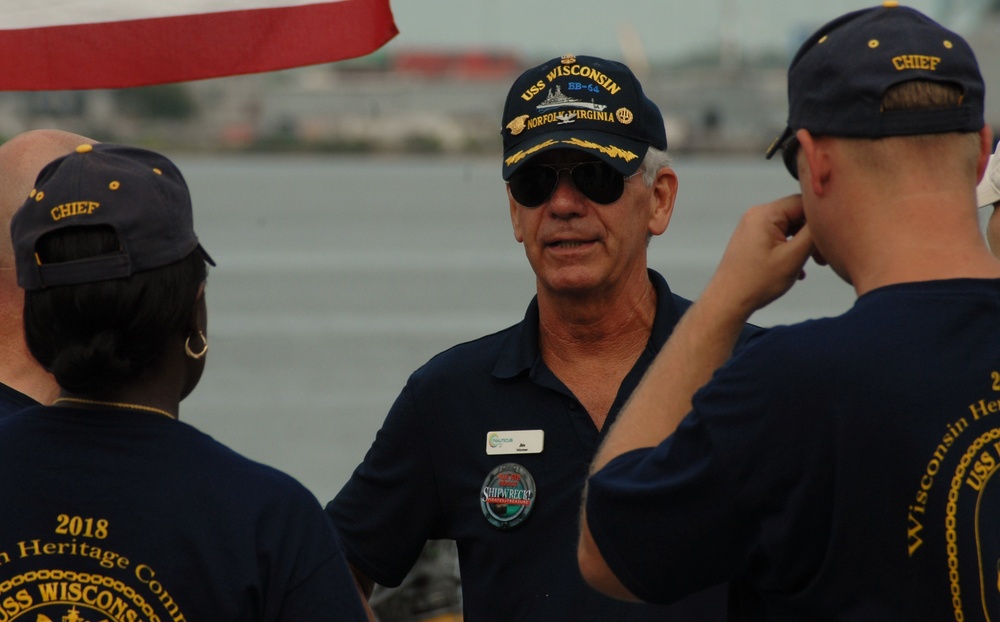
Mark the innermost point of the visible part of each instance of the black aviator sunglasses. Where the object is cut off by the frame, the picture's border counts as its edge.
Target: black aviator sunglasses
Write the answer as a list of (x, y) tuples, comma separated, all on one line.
[(533, 184)]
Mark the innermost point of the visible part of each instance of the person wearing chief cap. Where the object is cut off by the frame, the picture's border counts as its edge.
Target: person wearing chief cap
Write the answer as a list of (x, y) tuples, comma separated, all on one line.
[(488, 444), (113, 508), (842, 468)]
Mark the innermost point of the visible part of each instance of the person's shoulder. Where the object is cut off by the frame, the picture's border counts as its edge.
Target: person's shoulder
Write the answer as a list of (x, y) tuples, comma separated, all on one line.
[(228, 465), (481, 353), (680, 305), (12, 400), (790, 346)]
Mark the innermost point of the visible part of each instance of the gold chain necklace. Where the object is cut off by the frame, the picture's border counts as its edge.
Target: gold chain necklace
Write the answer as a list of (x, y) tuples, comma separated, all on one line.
[(115, 405)]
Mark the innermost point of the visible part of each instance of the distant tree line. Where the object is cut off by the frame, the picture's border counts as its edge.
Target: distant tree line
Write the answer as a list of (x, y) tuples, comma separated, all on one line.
[(165, 101)]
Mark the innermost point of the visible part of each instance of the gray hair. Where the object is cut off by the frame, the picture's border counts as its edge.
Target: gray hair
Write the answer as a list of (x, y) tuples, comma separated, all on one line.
[(655, 160)]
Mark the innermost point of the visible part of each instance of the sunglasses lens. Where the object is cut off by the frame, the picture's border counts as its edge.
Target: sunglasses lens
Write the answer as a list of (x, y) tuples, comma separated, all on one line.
[(599, 182), (790, 155), (532, 185)]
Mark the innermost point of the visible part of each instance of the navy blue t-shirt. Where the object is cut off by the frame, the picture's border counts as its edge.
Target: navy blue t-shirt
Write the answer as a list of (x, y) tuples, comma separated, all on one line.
[(838, 469), (485, 446), (129, 515)]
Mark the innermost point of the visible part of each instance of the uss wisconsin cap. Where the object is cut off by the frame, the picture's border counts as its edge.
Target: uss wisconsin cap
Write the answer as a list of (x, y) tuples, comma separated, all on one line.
[(839, 76), (583, 103), (138, 193)]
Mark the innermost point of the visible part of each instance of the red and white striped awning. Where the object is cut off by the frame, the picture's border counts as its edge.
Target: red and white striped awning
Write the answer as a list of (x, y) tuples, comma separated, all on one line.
[(88, 44)]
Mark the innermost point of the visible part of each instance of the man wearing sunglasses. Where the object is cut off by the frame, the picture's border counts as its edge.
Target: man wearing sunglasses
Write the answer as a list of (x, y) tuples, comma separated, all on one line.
[(489, 443), (843, 468)]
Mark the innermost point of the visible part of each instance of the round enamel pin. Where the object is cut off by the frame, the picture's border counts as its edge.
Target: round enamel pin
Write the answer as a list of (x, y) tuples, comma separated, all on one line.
[(507, 496)]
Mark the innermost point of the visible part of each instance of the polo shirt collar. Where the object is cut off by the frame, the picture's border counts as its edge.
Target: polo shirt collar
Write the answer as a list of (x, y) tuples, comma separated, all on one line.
[(520, 351)]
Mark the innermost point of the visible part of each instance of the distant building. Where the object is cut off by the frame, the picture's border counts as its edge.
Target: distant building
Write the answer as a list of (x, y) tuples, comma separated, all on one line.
[(464, 65)]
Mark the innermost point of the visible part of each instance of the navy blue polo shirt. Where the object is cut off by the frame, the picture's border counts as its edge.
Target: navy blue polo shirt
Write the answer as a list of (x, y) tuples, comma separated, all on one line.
[(437, 470), (12, 400)]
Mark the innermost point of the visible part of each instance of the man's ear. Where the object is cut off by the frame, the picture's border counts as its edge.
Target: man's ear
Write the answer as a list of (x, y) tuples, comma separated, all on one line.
[(664, 194), (515, 219), (816, 157)]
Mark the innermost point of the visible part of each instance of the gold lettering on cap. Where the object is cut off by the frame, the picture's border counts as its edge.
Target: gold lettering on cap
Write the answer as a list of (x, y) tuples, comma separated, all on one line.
[(583, 71), (533, 90), (563, 117), (916, 61), (76, 208)]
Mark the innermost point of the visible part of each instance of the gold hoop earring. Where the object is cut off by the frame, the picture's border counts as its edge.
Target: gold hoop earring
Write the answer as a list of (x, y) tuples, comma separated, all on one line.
[(191, 353)]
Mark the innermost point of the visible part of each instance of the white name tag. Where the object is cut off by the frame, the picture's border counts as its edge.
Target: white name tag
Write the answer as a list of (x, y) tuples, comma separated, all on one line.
[(515, 442)]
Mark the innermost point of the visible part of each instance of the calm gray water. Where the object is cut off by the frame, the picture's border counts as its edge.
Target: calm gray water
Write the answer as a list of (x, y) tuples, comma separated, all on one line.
[(338, 276)]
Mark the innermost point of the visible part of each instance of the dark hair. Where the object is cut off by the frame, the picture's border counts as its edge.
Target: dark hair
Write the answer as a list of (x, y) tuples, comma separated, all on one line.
[(94, 336)]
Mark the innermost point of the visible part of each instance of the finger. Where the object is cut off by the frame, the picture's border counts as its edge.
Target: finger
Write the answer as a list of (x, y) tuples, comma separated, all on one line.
[(801, 243), (794, 253), (793, 227), (792, 211)]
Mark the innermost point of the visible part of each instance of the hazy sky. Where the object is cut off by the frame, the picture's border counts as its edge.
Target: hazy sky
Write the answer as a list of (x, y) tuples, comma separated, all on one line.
[(665, 29)]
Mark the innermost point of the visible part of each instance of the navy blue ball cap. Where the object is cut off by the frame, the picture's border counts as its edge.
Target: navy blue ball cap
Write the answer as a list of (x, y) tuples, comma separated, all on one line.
[(138, 193), (839, 76), (584, 103)]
